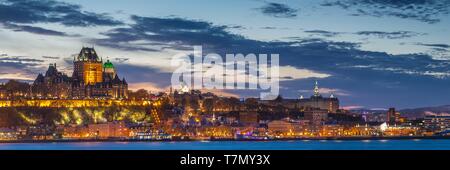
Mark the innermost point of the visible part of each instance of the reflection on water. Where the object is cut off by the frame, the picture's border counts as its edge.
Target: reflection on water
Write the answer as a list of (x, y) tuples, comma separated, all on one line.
[(413, 144)]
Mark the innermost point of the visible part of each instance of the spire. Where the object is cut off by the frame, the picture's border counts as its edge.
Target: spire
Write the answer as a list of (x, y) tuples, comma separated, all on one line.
[(39, 79), (316, 89), (116, 80)]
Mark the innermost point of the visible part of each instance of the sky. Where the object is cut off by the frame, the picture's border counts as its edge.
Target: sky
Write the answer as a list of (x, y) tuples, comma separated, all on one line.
[(368, 53)]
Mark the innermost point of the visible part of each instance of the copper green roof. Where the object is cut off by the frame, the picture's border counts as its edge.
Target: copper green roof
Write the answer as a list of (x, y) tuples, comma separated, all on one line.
[(108, 64)]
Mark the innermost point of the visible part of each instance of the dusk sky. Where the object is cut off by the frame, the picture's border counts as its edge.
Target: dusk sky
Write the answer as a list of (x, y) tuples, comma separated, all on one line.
[(369, 53)]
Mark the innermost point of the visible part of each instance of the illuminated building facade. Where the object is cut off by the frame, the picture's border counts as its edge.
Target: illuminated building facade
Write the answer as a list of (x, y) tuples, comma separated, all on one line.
[(331, 104), (316, 117), (14, 90), (3, 92), (248, 118), (88, 67), (53, 84), (393, 117), (436, 123), (91, 78)]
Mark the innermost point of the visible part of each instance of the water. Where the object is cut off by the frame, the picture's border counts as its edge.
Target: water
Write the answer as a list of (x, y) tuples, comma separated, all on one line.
[(413, 144)]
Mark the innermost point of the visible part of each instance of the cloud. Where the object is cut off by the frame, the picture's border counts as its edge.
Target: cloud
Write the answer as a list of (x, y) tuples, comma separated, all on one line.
[(18, 67), (345, 65), (328, 91), (293, 73), (390, 35), (155, 34), (278, 10), (50, 57), (342, 65), (303, 53), (145, 85), (33, 29), (379, 34), (15, 13), (14, 76), (338, 92), (323, 33), (144, 76), (434, 45), (438, 51), (269, 28), (20, 59), (49, 11), (352, 107), (121, 60), (428, 11), (223, 93)]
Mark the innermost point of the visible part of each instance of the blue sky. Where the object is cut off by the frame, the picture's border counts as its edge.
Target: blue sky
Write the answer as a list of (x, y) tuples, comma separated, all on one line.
[(369, 53)]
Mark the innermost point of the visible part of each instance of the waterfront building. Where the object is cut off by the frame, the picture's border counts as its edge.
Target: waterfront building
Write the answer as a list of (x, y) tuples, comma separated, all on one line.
[(284, 127), (99, 131), (361, 131), (151, 135), (109, 130), (332, 130), (436, 123), (73, 132), (316, 117), (8, 134)]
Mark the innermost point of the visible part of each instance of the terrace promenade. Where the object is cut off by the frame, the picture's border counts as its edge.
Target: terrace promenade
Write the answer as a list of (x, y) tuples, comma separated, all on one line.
[(73, 103)]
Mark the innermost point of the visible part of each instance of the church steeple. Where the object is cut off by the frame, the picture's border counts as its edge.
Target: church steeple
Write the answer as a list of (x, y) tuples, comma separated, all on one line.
[(316, 89)]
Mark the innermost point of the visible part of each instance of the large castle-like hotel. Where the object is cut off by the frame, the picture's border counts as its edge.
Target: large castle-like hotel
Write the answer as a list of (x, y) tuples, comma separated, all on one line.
[(91, 79)]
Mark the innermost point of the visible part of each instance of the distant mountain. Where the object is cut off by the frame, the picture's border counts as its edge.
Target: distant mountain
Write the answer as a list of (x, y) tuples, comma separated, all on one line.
[(421, 112), (410, 113), (364, 110)]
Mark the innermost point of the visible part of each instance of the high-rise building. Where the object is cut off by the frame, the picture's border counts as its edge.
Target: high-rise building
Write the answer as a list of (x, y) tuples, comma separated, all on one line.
[(392, 116)]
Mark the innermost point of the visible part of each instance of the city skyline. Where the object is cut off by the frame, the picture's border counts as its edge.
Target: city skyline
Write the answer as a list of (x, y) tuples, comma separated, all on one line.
[(370, 55)]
